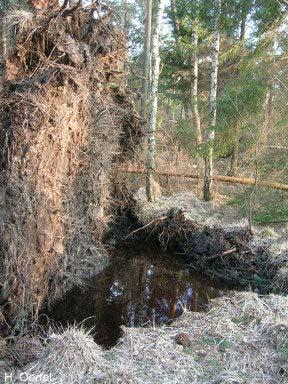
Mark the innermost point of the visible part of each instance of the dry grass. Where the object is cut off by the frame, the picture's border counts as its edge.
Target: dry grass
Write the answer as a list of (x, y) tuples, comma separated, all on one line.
[(243, 339), (205, 213), (70, 357), (230, 344)]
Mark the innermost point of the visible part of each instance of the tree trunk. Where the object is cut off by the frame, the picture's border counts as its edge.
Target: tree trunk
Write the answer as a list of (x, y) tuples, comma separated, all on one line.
[(125, 21), (268, 123), (187, 111), (235, 149), (155, 66), (207, 189), (146, 58), (243, 27), (194, 81), (175, 18), (185, 98)]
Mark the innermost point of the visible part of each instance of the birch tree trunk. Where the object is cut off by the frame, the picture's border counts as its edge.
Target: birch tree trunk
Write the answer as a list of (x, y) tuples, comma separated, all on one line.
[(194, 80), (155, 66), (146, 58), (207, 189)]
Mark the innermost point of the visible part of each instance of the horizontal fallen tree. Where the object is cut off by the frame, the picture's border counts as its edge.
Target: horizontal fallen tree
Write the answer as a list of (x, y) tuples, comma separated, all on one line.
[(224, 179)]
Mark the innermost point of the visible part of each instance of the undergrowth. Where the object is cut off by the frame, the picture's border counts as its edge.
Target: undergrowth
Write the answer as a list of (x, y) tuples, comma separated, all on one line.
[(268, 206)]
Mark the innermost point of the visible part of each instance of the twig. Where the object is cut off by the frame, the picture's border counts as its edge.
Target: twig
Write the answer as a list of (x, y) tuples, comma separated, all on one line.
[(159, 219), (230, 252)]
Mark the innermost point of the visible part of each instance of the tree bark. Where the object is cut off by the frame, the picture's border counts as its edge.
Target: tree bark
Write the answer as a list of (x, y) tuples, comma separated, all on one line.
[(175, 18), (185, 98), (220, 178), (194, 81), (146, 58), (235, 149), (207, 189), (268, 123), (155, 66)]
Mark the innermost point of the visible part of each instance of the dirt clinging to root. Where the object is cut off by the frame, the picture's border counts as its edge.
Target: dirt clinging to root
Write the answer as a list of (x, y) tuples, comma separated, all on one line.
[(66, 121)]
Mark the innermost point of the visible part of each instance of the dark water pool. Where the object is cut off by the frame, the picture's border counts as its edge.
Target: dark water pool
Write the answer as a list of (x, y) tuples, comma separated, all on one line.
[(139, 288)]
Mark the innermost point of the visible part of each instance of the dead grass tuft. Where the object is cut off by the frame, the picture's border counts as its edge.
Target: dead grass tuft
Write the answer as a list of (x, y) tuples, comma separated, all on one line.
[(70, 357)]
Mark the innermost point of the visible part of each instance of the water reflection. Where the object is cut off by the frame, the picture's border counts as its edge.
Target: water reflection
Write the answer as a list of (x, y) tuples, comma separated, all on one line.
[(134, 291)]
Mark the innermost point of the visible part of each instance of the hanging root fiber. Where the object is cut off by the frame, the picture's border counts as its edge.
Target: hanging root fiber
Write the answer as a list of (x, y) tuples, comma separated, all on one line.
[(66, 122)]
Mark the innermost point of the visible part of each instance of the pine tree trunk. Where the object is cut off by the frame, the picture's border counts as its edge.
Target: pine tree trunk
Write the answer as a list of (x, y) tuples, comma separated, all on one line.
[(187, 111), (175, 18), (155, 66), (194, 81), (146, 58), (186, 105), (268, 123), (235, 149), (207, 189), (125, 21)]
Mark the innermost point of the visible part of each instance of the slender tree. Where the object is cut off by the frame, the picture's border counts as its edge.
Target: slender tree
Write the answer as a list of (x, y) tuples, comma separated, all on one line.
[(194, 78), (155, 66), (186, 111), (207, 190), (146, 58), (245, 8)]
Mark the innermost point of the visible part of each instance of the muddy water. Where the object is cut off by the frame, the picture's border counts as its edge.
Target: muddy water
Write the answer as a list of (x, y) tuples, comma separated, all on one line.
[(139, 288)]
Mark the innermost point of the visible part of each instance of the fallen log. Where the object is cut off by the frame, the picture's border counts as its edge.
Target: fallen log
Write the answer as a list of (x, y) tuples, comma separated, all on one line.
[(225, 179)]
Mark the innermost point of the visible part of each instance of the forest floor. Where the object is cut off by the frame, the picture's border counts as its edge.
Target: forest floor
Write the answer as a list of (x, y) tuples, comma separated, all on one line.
[(242, 339)]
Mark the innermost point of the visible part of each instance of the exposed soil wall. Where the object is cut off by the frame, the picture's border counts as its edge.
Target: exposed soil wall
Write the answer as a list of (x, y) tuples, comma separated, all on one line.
[(66, 120)]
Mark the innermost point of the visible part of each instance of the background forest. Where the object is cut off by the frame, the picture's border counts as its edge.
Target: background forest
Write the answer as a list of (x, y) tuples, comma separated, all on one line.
[(251, 135)]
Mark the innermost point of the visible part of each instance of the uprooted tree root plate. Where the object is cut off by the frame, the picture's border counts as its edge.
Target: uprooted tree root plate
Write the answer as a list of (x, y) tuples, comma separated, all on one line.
[(217, 251), (66, 123)]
